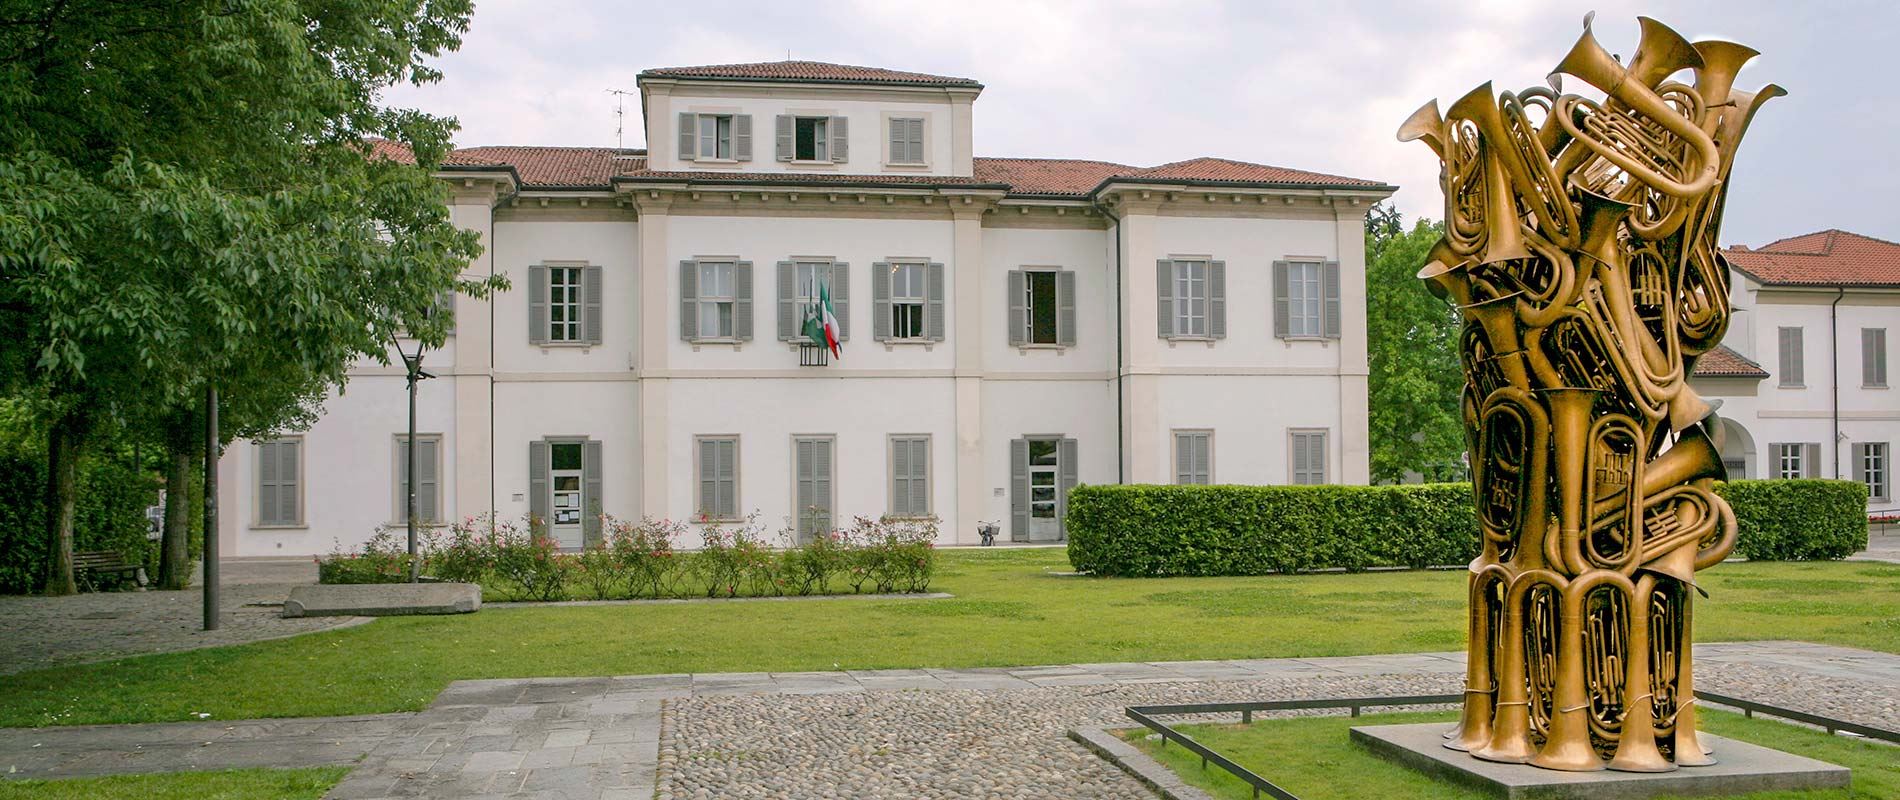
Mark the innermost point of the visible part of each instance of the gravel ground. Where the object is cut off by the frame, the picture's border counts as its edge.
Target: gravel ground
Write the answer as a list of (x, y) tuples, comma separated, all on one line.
[(938, 744)]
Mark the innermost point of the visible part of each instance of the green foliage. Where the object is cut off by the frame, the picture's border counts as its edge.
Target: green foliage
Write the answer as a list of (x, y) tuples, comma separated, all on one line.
[(382, 560), (1148, 531), (1798, 519), (237, 784), (110, 515), (1412, 354)]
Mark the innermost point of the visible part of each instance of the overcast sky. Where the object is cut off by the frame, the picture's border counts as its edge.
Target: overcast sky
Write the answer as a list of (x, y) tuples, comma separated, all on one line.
[(1318, 86)]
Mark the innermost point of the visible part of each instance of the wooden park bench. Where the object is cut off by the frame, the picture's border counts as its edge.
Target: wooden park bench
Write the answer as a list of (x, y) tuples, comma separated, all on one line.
[(88, 565)]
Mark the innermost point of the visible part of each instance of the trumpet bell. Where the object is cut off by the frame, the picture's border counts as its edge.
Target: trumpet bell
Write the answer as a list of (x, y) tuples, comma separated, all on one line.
[(1426, 125)]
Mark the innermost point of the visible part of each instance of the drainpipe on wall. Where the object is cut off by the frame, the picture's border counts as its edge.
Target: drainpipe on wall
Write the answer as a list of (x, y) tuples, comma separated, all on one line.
[(1121, 469), (1834, 361)]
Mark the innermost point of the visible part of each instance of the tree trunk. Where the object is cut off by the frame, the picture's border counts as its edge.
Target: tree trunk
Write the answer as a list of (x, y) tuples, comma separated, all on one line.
[(62, 492), (174, 554)]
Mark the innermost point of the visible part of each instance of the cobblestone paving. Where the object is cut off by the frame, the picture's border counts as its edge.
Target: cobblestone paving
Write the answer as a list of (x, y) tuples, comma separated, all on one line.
[(50, 631), (985, 733)]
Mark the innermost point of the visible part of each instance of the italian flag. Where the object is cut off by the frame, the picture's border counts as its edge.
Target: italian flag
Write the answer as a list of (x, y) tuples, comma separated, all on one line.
[(821, 323)]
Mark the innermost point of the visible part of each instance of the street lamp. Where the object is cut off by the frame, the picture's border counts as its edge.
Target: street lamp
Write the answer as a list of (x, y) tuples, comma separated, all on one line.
[(412, 364)]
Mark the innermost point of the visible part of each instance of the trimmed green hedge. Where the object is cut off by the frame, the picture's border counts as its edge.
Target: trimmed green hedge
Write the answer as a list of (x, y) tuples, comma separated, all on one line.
[(1146, 531), (1798, 520), (110, 515), (1255, 530)]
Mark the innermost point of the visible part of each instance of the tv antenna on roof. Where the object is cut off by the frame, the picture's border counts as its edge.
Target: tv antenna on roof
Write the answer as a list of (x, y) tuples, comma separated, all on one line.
[(620, 117)]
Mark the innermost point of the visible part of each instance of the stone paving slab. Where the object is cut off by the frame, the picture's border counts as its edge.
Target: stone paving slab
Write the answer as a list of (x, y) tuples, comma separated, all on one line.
[(790, 734)]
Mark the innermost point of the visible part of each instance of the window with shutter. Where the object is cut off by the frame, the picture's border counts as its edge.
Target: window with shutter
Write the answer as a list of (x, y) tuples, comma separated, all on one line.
[(593, 504), (1305, 301), (428, 466), (718, 471), (812, 482), (811, 138), (1873, 358), (1193, 457), (1791, 357), (279, 489), (1164, 299), (1329, 280), (1189, 293), (714, 295), (1308, 451), (910, 476), (591, 292), (1871, 467), (907, 300), (564, 303), (801, 286), (742, 137), (1042, 313), (906, 140), (715, 137)]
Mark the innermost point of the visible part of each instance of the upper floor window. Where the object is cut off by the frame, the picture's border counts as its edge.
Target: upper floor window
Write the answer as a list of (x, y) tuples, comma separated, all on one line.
[(564, 303), (801, 285), (1192, 297), (715, 300), (1041, 307), (907, 140), (909, 300), (812, 138), (715, 137), (1791, 356), (1306, 299)]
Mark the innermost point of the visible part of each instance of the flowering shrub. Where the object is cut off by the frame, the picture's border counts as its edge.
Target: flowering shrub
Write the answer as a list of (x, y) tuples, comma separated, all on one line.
[(644, 550), (530, 560), (890, 555), (808, 568), (466, 555), (734, 555), (383, 560)]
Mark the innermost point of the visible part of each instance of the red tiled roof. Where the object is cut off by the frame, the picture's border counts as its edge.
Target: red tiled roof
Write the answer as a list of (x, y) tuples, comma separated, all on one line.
[(1822, 258), (808, 72), (598, 167), (1048, 176), (1725, 363), (1221, 170)]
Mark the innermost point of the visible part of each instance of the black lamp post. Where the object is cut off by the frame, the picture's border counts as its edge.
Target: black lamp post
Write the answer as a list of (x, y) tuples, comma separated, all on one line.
[(412, 364)]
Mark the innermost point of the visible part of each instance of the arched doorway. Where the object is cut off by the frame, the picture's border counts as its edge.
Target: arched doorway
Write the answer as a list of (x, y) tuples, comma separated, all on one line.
[(1738, 450)]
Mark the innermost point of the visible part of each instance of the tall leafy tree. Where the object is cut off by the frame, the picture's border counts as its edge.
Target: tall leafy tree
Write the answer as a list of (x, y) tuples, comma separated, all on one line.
[(1412, 347), (192, 195)]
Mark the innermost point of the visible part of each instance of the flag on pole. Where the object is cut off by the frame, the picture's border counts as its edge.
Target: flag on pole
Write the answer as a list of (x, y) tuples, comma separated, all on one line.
[(821, 321)]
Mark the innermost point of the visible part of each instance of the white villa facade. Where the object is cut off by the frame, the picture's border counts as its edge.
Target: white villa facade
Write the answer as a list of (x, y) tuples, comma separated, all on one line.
[(1012, 327), (1803, 373)]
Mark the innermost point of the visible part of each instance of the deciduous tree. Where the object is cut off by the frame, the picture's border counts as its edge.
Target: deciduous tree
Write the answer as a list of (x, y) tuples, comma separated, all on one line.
[(1412, 349)]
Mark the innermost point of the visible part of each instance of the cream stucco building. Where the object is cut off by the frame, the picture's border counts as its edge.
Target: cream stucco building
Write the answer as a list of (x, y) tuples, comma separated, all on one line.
[(1802, 375), (1013, 327)]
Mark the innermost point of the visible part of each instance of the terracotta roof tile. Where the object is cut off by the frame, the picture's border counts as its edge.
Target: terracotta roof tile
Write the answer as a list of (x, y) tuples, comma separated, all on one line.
[(1822, 258), (808, 71), (1725, 363), (1048, 176), (598, 167), (1223, 170)]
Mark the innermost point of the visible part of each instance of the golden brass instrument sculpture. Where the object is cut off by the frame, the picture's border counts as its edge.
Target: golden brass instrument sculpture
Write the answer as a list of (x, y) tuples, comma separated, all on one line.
[(1580, 247)]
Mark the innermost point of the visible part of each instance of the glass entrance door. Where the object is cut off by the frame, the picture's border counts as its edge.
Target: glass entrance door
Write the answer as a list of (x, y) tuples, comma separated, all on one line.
[(565, 526), (1045, 517)]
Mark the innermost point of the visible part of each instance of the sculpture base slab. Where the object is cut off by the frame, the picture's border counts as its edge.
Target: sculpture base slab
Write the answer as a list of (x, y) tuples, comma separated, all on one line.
[(1741, 768)]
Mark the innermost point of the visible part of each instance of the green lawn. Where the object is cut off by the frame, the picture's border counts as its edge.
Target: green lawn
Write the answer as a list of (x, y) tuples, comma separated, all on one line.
[(237, 784), (1313, 758), (1009, 610)]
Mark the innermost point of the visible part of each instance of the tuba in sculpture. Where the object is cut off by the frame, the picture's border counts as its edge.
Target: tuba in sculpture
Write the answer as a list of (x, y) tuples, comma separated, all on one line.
[(1580, 249)]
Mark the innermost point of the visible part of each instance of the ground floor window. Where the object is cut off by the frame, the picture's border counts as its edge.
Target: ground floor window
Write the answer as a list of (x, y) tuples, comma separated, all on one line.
[(1794, 459), (1870, 467), (812, 480), (1308, 456), (565, 482), (718, 470), (910, 476), (280, 482), (428, 449), (1193, 457)]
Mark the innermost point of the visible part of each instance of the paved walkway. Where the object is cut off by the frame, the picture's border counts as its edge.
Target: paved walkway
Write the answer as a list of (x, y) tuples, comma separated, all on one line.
[(1881, 547), (51, 631), (880, 733)]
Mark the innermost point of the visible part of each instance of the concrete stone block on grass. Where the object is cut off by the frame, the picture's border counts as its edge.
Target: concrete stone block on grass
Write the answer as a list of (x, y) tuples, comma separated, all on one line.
[(383, 599)]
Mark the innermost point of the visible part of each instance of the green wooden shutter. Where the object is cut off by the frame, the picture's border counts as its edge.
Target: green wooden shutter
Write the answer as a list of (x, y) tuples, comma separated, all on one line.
[(1791, 357), (1873, 356), (900, 478), (742, 137), (839, 129), (728, 477), (788, 317), (1217, 299), (1065, 308), (1183, 458), (538, 483), (1330, 277), (881, 301), (784, 132), (689, 136), (267, 511), (804, 478), (1811, 460), (537, 304), (1282, 309), (709, 477), (1018, 308), (591, 292), (841, 298), (593, 503), (742, 301), (1019, 490), (920, 476), (1067, 470), (1164, 298), (915, 131), (935, 324), (689, 300)]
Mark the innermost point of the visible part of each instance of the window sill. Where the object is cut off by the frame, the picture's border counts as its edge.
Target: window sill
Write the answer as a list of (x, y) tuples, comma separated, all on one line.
[(908, 166), (717, 162), (399, 524), (797, 164), (735, 344), (1177, 340), (581, 346), (297, 527), (924, 517), (1881, 387), (927, 344), (1792, 386), (704, 520), (1322, 340), (794, 344), (1058, 349)]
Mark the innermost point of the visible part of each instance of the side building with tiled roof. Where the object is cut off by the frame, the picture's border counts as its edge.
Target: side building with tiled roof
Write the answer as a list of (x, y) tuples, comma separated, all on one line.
[(1008, 327), (1803, 371)]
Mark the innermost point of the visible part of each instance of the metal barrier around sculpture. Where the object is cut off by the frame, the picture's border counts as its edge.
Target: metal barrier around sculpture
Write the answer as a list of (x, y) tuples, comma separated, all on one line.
[(1580, 246)]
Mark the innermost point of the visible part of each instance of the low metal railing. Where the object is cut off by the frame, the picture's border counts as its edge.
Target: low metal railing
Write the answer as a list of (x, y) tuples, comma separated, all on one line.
[(1145, 715)]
